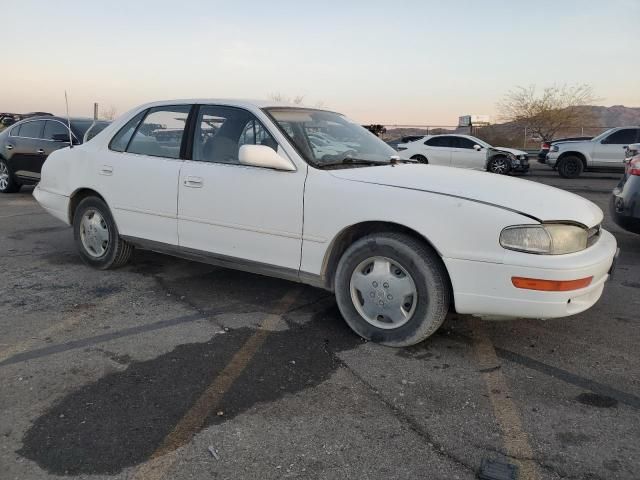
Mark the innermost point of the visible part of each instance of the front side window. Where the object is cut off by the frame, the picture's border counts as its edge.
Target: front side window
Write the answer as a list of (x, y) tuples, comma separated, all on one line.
[(622, 137), (52, 128), (327, 138), (463, 142), (160, 133), (32, 129), (221, 131)]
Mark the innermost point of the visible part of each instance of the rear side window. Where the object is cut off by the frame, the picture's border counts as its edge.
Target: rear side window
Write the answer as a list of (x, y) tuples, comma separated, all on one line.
[(439, 142), (52, 128), (622, 137), (160, 133), (32, 129), (15, 131), (121, 140)]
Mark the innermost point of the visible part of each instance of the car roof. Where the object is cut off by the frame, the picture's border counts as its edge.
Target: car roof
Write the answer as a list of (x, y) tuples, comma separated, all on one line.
[(245, 103), (60, 119)]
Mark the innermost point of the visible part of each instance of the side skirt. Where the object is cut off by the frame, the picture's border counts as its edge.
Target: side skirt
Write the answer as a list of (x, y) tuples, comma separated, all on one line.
[(228, 262)]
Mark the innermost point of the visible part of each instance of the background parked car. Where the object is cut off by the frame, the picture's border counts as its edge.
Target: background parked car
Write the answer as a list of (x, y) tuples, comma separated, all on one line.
[(602, 152), (406, 139), (625, 201), (465, 151), (545, 146), (25, 146)]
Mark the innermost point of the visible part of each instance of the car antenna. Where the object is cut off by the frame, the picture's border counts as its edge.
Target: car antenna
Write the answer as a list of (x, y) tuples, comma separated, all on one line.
[(66, 101)]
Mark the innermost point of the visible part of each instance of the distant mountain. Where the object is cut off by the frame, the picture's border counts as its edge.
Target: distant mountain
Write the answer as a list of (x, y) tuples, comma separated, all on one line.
[(615, 116)]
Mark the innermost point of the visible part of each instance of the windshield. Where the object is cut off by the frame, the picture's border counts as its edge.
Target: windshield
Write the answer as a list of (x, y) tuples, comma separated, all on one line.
[(324, 138), (602, 135)]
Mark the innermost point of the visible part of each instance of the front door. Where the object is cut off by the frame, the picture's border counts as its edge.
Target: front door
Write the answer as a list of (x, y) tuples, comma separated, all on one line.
[(28, 153), (464, 155), (237, 212), (138, 174), (610, 151)]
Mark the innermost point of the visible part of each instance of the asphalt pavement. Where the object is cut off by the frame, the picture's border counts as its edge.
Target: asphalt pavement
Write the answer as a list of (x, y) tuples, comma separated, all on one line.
[(178, 370)]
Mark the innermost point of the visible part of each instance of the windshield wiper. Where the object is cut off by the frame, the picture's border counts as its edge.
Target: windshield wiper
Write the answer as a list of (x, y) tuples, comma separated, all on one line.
[(360, 161)]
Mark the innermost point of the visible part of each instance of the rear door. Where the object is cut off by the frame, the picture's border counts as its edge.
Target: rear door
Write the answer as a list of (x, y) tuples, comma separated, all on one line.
[(463, 155), (138, 174), (438, 150), (609, 152), (28, 152)]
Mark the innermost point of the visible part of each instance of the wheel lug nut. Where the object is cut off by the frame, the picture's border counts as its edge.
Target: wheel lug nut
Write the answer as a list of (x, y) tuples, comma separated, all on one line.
[(385, 285), (390, 297), (375, 284), (372, 294), (380, 303)]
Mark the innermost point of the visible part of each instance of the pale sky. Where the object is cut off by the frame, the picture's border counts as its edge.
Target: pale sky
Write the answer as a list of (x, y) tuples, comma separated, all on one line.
[(391, 62)]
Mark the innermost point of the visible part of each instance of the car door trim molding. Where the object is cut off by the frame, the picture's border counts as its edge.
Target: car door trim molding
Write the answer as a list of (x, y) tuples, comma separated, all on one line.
[(145, 212), (246, 228), (226, 261)]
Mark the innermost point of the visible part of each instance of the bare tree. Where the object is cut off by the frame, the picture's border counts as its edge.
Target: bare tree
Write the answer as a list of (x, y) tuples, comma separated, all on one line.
[(108, 113), (546, 112)]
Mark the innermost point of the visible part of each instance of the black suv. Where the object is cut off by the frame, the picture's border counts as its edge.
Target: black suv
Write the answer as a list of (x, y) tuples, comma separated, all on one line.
[(25, 146)]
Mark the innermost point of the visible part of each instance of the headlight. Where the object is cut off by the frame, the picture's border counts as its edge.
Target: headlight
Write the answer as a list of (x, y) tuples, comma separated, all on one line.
[(550, 238), (554, 148)]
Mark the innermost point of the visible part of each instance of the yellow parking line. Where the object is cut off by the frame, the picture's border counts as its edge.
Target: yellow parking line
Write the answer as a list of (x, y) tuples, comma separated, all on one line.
[(515, 439), (166, 454)]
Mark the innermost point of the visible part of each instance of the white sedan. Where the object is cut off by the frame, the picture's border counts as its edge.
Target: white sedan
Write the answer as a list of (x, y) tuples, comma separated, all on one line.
[(465, 151), (399, 243)]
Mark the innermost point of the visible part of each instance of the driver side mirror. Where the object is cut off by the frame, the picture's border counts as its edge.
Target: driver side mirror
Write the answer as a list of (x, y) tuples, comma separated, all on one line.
[(477, 147), (263, 156)]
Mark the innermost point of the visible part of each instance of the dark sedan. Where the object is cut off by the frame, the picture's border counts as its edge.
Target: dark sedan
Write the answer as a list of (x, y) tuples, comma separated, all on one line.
[(545, 146), (25, 146), (625, 201)]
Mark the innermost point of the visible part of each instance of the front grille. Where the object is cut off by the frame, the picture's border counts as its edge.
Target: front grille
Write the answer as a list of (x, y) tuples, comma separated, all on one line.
[(593, 234)]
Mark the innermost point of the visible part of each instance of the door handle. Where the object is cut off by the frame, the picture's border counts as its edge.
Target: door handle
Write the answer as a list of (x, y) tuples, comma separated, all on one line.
[(40, 151), (9, 147), (106, 170), (193, 182)]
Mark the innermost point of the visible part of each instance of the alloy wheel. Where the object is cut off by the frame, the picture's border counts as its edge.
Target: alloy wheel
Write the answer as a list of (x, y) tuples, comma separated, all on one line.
[(4, 176)]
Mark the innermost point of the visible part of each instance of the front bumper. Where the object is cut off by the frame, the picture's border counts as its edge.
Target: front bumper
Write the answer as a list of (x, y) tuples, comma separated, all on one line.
[(520, 166), (485, 289)]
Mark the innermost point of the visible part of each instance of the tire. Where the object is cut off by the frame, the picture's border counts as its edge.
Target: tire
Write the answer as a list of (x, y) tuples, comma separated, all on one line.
[(570, 167), (499, 165), (96, 236), (408, 257), (8, 182), (420, 159)]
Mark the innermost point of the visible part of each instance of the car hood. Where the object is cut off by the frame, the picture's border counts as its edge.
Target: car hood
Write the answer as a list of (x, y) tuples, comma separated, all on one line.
[(514, 151), (542, 202)]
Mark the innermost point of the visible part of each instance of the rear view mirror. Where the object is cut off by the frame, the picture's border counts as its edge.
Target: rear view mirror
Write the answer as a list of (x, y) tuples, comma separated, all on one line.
[(477, 147), (263, 156)]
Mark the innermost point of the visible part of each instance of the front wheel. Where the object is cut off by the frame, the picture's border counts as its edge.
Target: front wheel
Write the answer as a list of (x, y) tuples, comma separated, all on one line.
[(570, 167), (8, 183), (97, 237), (392, 289), (499, 165)]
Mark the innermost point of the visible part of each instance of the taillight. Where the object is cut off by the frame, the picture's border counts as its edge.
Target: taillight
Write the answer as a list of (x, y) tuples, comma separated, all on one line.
[(633, 167), (546, 145)]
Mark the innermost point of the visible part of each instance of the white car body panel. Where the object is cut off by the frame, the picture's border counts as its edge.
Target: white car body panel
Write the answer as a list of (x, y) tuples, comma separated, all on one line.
[(290, 220)]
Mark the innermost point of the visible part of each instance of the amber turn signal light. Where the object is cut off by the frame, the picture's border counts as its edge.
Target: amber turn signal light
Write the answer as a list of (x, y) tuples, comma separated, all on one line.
[(550, 285)]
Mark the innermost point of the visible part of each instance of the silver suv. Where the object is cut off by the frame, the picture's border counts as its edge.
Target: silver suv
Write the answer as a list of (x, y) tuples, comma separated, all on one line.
[(604, 151)]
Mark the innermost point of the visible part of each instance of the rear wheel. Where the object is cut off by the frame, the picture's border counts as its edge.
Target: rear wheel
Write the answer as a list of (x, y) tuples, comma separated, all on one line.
[(420, 159), (8, 183), (97, 237), (392, 289), (570, 167)]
